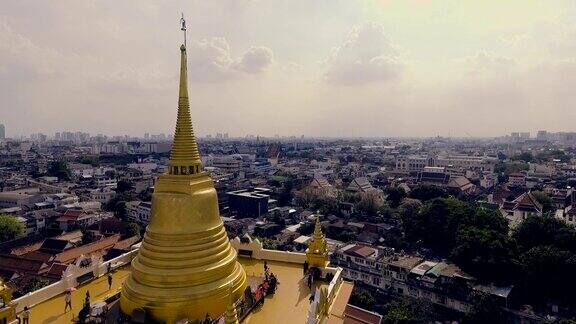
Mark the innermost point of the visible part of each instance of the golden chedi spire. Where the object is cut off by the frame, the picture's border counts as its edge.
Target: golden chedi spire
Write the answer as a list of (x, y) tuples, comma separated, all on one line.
[(184, 158), (317, 253), (185, 267)]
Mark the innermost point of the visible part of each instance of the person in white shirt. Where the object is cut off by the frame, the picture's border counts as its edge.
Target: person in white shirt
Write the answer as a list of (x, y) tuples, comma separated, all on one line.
[(68, 299), (26, 315)]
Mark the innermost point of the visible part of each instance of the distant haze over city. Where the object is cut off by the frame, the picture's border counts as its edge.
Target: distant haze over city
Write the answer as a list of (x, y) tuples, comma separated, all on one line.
[(334, 68)]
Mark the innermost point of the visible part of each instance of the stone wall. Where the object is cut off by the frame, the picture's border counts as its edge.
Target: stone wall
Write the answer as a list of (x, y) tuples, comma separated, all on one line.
[(259, 253), (97, 267)]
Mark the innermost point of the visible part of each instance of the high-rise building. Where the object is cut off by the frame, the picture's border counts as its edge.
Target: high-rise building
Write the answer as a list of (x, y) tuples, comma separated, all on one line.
[(542, 135), (2, 132)]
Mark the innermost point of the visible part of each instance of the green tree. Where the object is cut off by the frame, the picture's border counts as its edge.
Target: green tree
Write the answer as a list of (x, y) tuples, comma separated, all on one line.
[(540, 231), (349, 197), (276, 218), (409, 208), (133, 229), (483, 252), (548, 274), (10, 228), (490, 219), (120, 210), (553, 154), (92, 160), (368, 205), (329, 206), (514, 167), (439, 221), (124, 186), (268, 243), (27, 286), (306, 229), (408, 312), (344, 235), (87, 236), (285, 195), (524, 156), (60, 170), (427, 192), (386, 212), (111, 174), (362, 299), (543, 199), (484, 310), (395, 196), (38, 283)]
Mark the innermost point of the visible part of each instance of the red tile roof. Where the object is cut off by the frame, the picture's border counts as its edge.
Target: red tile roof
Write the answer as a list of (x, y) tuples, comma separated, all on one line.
[(356, 315), (127, 243), (95, 247), (20, 265), (528, 199), (361, 251), (37, 256), (56, 270)]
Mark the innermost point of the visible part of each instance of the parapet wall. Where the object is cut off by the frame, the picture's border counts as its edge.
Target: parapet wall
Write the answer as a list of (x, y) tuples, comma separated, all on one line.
[(97, 268), (255, 250)]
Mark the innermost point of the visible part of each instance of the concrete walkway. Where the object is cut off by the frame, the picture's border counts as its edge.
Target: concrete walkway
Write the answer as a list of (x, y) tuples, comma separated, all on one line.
[(52, 310)]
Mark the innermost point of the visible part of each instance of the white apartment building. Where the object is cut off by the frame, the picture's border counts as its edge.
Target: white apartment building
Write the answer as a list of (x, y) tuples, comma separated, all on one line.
[(416, 163), (102, 195), (228, 163), (139, 211), (407, 276)]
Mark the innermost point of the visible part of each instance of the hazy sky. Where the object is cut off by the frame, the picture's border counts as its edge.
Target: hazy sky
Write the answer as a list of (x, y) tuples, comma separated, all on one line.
[(290, 67)]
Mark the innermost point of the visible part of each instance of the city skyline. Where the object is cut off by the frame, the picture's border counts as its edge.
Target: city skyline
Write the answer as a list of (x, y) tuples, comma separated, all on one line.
[(322, 69), (81, 136)]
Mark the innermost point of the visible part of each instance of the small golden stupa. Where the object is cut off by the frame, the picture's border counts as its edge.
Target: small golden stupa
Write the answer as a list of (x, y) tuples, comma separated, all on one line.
[(186, 267), (7, 306), (317, 253)]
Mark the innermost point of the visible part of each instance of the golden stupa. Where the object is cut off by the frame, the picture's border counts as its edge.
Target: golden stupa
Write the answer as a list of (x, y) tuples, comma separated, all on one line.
[(317, 252), (186, 267)]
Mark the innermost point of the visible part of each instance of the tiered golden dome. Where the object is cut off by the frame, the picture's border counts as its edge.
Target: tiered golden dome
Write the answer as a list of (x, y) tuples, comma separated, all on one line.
[(186, 267)]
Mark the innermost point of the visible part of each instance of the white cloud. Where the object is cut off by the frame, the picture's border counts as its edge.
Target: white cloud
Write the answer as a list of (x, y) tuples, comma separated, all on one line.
[(210, 60), (366, 56), (113, 74), (256, 60), (486, 64)]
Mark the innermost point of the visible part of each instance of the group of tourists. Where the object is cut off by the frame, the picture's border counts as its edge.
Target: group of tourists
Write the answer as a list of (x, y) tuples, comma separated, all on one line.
[(254, 298), (68, 296), (268, 287)]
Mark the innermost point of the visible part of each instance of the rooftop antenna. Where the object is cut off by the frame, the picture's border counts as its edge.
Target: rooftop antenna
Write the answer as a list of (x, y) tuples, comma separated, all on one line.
[(183, 27)]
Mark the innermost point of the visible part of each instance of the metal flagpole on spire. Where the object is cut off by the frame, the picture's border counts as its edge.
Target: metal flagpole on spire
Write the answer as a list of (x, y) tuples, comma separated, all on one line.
[(183, 27)]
